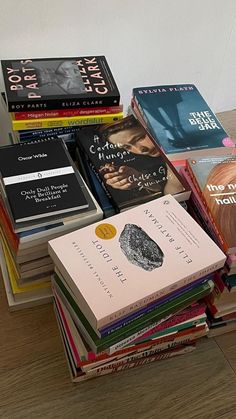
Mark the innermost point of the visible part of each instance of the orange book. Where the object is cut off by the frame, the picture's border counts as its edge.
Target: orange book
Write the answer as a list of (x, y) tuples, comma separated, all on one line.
[(215, 180)]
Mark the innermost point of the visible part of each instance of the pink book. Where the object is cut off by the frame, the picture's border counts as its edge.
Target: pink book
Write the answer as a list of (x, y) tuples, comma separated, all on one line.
[(196, 200), (116, 266), (183, 316)]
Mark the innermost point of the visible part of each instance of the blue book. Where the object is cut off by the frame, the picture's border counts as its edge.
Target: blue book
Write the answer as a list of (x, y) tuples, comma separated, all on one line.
[(180, 120)]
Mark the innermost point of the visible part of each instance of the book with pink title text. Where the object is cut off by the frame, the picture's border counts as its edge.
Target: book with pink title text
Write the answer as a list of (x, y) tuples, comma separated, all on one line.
[(115, 267)]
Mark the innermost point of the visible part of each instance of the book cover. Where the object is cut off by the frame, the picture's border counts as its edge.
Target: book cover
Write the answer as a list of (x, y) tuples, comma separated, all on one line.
[(39, 180), (59, 83), (215, 177), (138, 256), (30, 235), (199, 211), (181, 121), (129, 164)]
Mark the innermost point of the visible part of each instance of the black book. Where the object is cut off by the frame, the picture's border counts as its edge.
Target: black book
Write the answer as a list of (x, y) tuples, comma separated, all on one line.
[(59, 83), (129, 164), (39, 180)]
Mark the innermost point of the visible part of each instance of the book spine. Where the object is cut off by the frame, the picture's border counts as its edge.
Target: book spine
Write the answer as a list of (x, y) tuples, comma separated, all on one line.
[(134, 337), (127, 334), (175, 320), (66, 113), (161, 293), (137, 112), (129, 341), (104, 356), (162, 350), (137, 105), (138, 361), (174, 329), (223, 246), (49, 132), (29, 124), (146, 309), (67, 331), (97, 372), (5, 224), (65, 103)]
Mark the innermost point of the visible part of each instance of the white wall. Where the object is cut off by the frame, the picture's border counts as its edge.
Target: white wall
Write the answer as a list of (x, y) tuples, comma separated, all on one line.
[(146, 42)]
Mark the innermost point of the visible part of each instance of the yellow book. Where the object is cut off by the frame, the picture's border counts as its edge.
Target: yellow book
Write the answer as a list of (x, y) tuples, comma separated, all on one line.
[(25, 124), (41, 288)]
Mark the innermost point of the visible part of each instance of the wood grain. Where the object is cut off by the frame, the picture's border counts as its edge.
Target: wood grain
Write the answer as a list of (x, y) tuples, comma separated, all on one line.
[(227, 344), (34, 379), (35, 382)]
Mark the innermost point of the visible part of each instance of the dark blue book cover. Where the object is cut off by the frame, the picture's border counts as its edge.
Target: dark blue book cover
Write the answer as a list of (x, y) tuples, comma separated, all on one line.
[(180, 119)]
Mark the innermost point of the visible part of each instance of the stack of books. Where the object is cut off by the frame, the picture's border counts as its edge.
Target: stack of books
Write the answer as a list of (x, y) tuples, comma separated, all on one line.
[(181, 121), (129, 290), (42, 196), (212, 204), (52, 97), (125, 167)]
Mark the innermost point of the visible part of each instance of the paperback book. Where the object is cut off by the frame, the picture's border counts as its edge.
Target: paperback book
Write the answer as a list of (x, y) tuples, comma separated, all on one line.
[(78, 374), (130, 166), (36, 184), (27, 300), (65, 113), (59, 83), (214, 178), (82, 353), (112, 268), (181, 121), (123, 339)]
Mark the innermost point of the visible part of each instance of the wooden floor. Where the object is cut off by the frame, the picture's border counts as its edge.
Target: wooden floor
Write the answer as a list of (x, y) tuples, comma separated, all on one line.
[(35, 383)]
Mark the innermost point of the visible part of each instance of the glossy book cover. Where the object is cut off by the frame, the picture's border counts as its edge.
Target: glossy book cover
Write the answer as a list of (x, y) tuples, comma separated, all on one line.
[(180, 119), (134, 258), (129, 164), (59, 83), (216, 179), (39, 180)]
